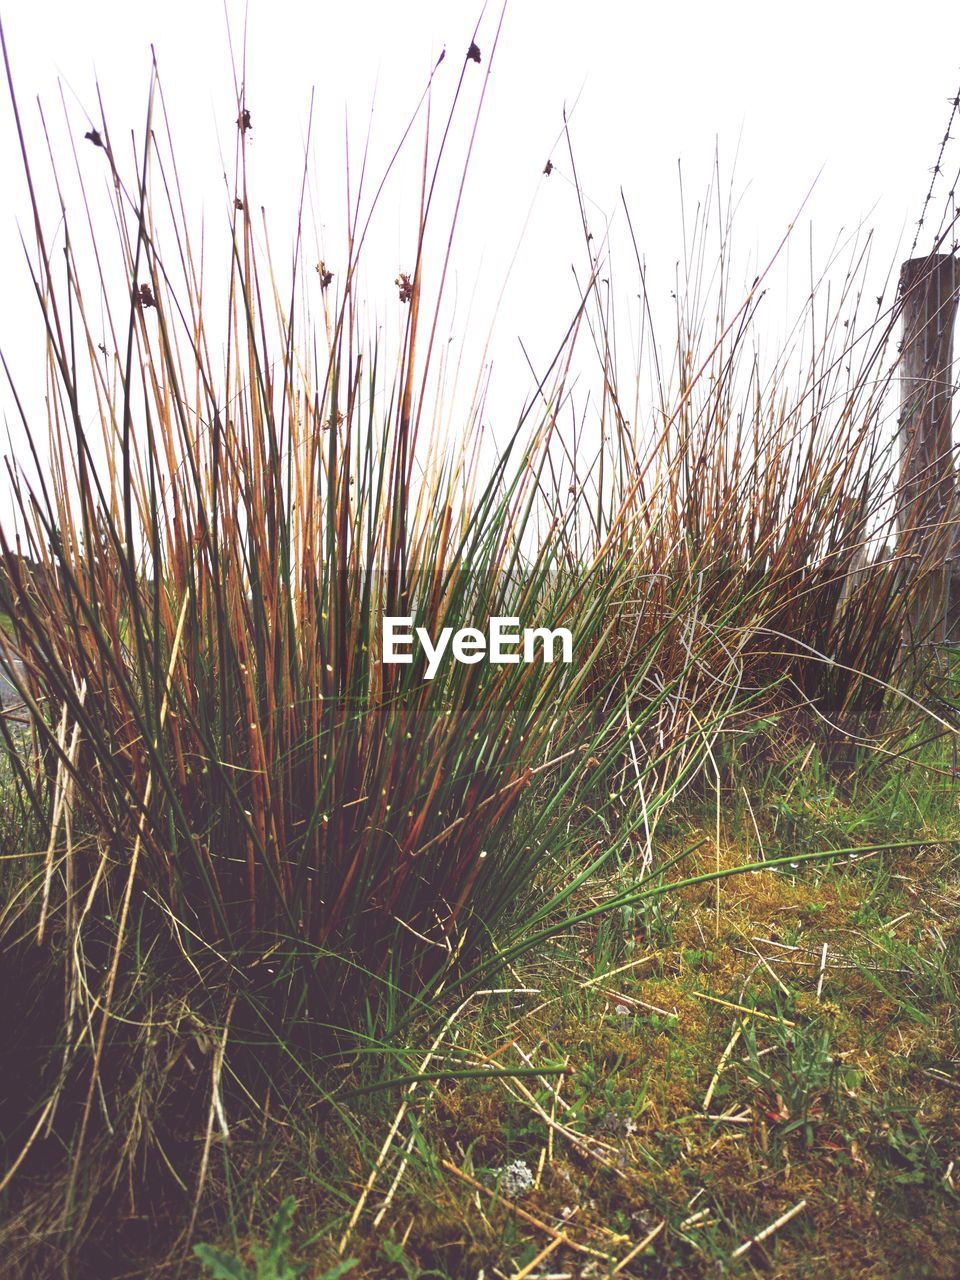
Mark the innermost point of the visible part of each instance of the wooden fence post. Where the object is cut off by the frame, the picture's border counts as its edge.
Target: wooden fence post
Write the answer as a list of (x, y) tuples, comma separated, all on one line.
[(928, 503)]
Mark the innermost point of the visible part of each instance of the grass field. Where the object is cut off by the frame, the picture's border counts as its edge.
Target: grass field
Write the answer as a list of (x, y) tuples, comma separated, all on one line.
[(644, 965), (799, 1048), (647, 1091)]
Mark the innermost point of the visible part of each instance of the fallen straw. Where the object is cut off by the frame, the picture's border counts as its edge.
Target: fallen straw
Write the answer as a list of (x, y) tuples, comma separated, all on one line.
[(639, 1248), (560, 1237), (743, 1008), (823, 969), (544, 1253), (768, 1231), (724, 1059)]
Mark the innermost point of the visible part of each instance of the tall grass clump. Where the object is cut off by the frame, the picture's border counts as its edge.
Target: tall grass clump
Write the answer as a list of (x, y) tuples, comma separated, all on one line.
[(754, 493), (244, 804), (203, 578)]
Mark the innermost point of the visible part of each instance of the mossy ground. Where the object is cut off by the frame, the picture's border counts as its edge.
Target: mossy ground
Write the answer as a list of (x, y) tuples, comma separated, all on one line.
[(679, 1116)]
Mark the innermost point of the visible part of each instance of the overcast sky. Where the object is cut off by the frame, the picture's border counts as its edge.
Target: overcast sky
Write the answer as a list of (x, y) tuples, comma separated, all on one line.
[(848, 99)]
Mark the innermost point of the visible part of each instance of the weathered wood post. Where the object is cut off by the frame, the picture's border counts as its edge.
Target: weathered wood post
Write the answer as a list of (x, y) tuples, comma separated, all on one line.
[(928, 505)]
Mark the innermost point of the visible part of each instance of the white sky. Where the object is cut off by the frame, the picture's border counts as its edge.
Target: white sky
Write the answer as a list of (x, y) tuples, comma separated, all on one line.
[(857, 94)]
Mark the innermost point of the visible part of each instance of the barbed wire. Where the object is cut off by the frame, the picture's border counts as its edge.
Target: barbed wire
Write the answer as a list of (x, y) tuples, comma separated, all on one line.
[(935, 173)]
